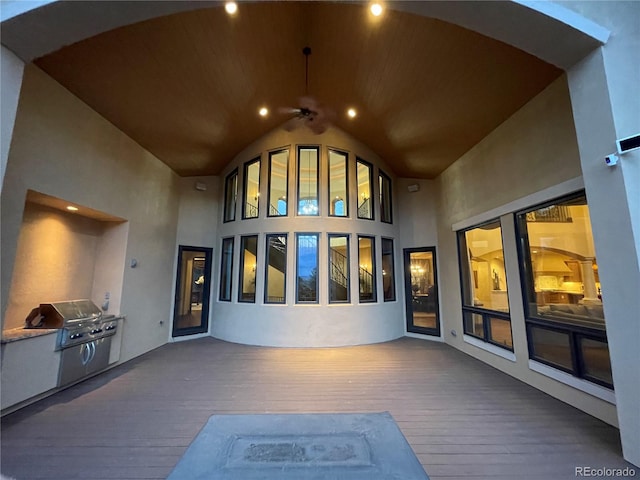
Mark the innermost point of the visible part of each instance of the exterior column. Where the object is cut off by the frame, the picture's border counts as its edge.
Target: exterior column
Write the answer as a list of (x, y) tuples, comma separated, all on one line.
[(605, 97), (11, 70)]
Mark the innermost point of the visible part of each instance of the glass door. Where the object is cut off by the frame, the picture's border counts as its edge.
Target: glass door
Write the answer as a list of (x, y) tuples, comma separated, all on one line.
[(193, 281), (421, 290)]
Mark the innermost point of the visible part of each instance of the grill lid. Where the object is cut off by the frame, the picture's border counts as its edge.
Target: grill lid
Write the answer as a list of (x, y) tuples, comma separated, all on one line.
[(62, 314)]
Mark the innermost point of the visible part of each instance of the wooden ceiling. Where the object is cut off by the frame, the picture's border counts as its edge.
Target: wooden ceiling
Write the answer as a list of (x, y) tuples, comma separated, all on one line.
[(188, 86)]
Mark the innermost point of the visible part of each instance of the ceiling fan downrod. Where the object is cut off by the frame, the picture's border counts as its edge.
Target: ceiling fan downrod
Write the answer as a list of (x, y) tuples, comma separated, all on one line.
[(306, 51)]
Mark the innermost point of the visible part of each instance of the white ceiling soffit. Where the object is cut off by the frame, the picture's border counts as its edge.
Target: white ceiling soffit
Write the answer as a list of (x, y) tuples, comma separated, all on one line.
[(544, 29), (547, 30)]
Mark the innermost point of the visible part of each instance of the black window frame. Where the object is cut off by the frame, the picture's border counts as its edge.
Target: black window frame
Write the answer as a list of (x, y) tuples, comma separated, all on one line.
[(245, 181), (299, 148), (374, 271), (267, 264), (382, 177), (393, 267), (227, 204), (348, 264), (371, 190), (269, 199), (486, 313), (241, 269), (346, 180), (317, 267), (222, 270), (527, 284)]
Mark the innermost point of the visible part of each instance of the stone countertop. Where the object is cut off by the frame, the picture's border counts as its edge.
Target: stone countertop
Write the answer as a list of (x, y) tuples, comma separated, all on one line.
[(15, 334), (20, 333)]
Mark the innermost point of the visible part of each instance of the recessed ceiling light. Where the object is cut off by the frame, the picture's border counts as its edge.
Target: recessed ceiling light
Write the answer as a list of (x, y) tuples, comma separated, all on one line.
[(263, 112), (71, 208), (376, 9), (231, 7), (352, 113)]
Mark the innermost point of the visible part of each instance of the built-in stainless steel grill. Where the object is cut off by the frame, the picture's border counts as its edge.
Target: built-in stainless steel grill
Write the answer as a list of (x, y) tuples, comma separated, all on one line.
[(84, 336)]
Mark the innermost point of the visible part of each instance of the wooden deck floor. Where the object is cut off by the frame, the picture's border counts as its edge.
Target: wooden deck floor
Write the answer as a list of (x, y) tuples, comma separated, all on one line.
[(463, 419)]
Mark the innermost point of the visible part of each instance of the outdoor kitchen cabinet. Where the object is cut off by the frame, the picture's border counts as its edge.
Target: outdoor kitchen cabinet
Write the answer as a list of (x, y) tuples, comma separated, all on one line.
[(29, 368)]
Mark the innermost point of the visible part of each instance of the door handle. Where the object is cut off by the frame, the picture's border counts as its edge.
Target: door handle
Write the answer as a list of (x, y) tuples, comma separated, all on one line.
[(93, 351), (85, 353)]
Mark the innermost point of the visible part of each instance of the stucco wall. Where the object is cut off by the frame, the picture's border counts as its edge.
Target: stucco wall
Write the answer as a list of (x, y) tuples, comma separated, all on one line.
[(54, 261), (530, 158), (64, 149)]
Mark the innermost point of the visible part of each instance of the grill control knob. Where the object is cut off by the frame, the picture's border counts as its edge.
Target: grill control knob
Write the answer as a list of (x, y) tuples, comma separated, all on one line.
[(73, 336), (110, 327), (96, 330)]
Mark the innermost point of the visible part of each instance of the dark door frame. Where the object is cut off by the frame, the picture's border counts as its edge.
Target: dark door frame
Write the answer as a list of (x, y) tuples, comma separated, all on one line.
[(408, 294), (206, 292)]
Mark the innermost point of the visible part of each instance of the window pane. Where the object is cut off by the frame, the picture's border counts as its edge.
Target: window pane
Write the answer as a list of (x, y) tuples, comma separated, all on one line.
[(230, 194), (307, 181), (338, 268), (364, 171), (307, 268), (562, 263), (367, 272), (500, 331), (385, 198), (484, 282), (226, 266), (554, 347), (388, 273), (473, 324), (278, 182), (595, 355), (248, 261), (338, 199), (251, 189), (276, 272)]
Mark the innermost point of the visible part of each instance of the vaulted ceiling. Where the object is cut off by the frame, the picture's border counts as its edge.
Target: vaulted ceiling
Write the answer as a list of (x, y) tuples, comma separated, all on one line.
[(188, 86)]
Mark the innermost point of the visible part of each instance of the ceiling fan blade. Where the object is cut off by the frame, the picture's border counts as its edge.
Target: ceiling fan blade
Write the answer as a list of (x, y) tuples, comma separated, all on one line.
[(292, 124), (289, 110)]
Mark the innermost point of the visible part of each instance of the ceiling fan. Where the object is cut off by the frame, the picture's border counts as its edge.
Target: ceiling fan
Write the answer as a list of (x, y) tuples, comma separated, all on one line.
[(309, 113)]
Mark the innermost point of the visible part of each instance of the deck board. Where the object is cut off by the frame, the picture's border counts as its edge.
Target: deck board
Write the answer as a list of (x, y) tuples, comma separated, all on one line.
[(463, 419)]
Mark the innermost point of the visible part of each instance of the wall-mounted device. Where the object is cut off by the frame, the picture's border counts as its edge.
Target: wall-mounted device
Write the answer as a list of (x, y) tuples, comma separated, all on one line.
[(611, 160), (624, 145), (627, 144)]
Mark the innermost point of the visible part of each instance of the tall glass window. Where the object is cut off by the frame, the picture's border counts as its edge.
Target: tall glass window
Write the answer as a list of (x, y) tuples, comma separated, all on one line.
[(564, 313), (385, 198), (338, 184), (226, 269), (308, 168), (485, 303), (367, 269), (251, 189), (307, 268), (278, 183), (230, 195), (338, 268), (275, 282), (248, 263), (388, 273), (364, 174)]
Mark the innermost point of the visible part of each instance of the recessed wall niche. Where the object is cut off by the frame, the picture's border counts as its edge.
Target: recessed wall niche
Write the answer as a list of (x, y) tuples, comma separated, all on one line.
[(66, 255)]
